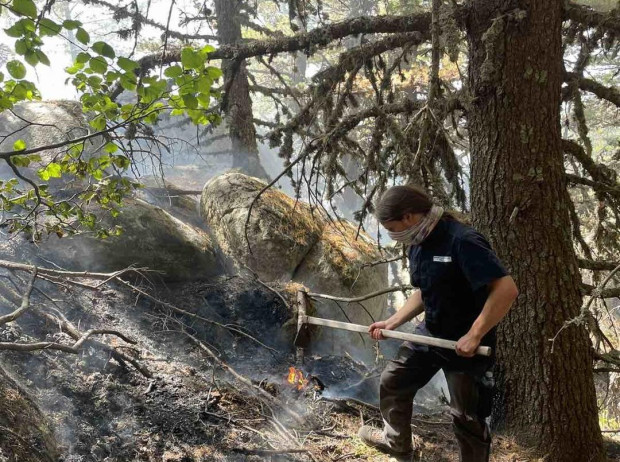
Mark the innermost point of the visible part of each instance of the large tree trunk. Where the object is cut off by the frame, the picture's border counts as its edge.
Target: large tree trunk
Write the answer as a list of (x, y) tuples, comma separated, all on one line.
[(519, 200), (238, 104)]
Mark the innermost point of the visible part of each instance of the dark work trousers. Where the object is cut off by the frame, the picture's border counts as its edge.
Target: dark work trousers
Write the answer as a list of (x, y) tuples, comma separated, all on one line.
[(470, 385)]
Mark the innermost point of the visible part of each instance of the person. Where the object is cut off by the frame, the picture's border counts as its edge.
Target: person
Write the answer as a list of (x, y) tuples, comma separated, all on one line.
[(464, 291)]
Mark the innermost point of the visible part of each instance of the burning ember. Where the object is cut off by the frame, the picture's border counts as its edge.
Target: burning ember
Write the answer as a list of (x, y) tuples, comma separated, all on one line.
[(296, 378)]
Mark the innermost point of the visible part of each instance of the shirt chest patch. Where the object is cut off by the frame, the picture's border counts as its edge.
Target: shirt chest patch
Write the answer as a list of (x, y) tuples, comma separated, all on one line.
[(442, 258)]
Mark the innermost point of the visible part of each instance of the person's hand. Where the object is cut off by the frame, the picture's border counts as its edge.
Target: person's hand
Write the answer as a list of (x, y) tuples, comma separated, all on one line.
[(467, 345), (375, 330)]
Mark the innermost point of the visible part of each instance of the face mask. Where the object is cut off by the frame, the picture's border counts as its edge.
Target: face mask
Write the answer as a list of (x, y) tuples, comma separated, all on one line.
[(418, 232)]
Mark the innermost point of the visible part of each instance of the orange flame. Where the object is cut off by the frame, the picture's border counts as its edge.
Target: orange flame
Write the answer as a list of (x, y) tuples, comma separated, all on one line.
[(296, 377)]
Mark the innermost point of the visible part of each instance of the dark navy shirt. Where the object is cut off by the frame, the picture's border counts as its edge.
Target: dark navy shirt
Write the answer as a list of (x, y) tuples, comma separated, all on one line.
[(452, 268)]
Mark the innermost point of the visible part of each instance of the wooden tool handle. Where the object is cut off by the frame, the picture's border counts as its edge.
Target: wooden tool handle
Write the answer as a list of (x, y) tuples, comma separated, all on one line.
[(420, 339)]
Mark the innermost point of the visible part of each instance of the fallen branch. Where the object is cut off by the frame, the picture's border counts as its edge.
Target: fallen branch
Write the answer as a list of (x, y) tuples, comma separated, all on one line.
[(75, 348), (270, 452), (25, 304), (259, 391), (362, 297)]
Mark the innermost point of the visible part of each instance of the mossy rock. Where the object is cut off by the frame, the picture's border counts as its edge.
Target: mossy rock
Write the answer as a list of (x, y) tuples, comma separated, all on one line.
[(53, 122), (151, 238), (281, 231), (290, 241)]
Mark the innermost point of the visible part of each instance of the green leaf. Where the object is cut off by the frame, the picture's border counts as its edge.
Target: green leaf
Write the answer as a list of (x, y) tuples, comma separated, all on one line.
[(19, 145), (53, 170), (207, 49), (110, 148), (190, 59), (31, 58), (98, 123), (48, 27), (74, 69), (203, 84), (104, 49), (98, 65), (214, 72), (128, 82), (16, 69), (20, 161), (190, 101), (43, 59), (173, 71), (25, 7), (122, 162), (82, 36), (21, 47), (20, 28), (82, 57), (127, 64), (70, 24)]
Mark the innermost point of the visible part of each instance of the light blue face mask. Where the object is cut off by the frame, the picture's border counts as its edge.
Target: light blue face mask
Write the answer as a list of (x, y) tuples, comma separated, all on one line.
[(415, 234)]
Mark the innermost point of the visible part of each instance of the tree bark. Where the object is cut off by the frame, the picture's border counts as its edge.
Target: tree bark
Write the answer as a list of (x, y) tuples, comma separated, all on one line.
[(237, 101), (519, 201)]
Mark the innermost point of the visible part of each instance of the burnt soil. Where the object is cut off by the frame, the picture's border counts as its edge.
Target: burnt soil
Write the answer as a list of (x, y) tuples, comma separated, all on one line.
[(192, 408)]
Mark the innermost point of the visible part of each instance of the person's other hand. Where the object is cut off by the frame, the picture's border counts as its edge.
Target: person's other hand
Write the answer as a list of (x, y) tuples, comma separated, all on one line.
[(467, 345), (375, 330)]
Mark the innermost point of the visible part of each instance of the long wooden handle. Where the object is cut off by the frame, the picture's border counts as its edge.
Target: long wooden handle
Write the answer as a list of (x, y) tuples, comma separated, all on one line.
[(421, 339)]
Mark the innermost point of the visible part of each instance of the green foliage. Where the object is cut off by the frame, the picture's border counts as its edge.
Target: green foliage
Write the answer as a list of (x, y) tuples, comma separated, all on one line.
[(185, 89), (16, 69)]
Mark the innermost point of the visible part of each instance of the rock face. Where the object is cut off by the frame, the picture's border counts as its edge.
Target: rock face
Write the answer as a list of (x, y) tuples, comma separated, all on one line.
[(281, 232), (151, 238), (53, 122), (291, 242), (24, 433)]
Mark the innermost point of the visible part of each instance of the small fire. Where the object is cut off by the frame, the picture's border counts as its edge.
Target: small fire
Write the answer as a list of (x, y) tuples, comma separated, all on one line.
[(296, 377)]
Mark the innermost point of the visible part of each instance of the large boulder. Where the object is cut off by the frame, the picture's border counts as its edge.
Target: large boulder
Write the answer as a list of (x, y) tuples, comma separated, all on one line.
[(280, 233), (43, 123), (25, 434), (151, 238), (180, 202), (290, 241)]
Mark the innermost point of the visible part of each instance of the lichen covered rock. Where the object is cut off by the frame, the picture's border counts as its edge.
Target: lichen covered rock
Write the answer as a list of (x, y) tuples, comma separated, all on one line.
[(290, 241), (281, 231), (151, 237)]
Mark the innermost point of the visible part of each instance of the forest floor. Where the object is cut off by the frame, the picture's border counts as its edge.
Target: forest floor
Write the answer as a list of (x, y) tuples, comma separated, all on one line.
[(193, 408)]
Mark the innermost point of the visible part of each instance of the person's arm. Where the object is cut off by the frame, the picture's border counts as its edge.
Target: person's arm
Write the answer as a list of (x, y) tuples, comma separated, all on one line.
[(503, 292), (412, 308)]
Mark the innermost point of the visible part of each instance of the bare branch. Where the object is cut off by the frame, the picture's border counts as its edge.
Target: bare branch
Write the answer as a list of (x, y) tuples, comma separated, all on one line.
[(25, 304), (75, 348), (610, 94), (606, 188), (123, 12), (320, 36), (595, 265), (598, 172), (362, 297), (259, 391), (610, 22), (603, 293)]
